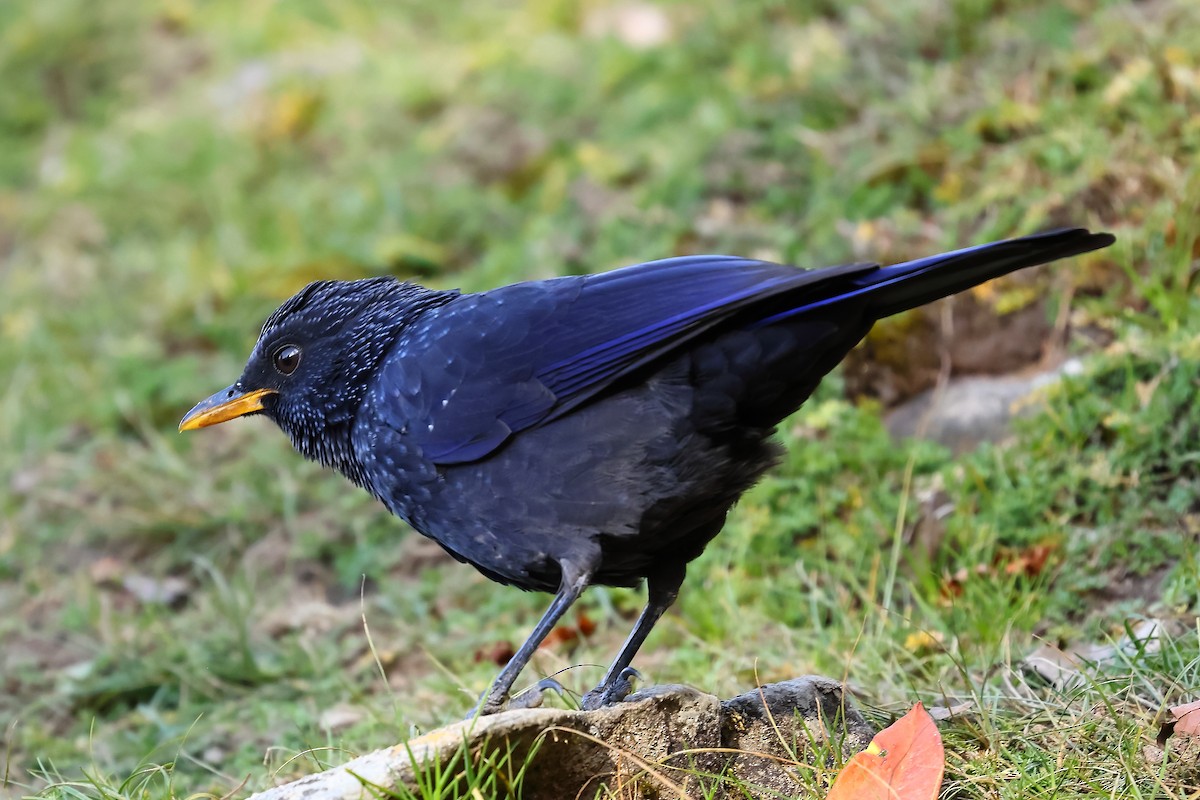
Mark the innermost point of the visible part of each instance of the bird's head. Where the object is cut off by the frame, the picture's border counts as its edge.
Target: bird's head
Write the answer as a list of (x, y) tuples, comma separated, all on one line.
[(314, 360)]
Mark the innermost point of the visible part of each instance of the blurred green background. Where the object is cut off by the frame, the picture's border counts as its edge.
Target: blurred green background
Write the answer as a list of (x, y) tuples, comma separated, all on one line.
[(171, 171)]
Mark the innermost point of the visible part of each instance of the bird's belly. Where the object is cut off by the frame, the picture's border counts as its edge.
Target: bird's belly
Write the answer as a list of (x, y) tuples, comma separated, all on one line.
[(627, 481)]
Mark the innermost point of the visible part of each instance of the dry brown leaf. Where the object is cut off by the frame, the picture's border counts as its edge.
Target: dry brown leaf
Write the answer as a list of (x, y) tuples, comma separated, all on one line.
[(1065, 668), (1186, 720), (564, 634), (943, 713), (499, 653), (340, 717), (1028, 562), (167, 591)]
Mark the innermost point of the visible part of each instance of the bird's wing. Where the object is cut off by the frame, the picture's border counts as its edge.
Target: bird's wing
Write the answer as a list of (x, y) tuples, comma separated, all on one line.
[(473, 372)]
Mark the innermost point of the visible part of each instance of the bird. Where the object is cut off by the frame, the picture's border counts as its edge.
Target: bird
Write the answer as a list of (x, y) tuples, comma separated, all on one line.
[(581, 430)]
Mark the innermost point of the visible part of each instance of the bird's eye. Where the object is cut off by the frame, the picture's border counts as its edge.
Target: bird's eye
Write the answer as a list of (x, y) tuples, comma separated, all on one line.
[(287, 358)]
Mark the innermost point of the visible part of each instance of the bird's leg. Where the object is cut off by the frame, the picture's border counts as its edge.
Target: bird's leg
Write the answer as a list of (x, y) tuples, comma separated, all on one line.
[(661, 588), (574, 581)]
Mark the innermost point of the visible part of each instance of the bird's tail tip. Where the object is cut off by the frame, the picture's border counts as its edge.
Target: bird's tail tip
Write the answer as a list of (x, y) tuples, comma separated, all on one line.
[(912, 283)]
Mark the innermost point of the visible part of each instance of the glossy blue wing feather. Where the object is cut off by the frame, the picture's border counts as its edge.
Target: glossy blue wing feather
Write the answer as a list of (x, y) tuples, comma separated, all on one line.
[(631, 312), (527, 353)]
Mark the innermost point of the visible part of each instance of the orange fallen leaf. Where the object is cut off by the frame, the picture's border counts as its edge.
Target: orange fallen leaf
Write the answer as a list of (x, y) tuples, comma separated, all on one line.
[(565, 634), (905, 761)]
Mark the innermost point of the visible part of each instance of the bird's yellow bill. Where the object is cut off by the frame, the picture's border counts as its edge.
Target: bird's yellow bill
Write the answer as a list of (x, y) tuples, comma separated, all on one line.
[(223, 406)]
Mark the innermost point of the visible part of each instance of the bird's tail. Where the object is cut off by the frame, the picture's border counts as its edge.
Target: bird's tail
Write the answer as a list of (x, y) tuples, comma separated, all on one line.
[(890, 290)]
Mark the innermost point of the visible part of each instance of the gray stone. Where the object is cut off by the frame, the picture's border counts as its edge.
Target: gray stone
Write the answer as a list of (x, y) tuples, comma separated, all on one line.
[(661, 741), (968, 411), (775, 726)]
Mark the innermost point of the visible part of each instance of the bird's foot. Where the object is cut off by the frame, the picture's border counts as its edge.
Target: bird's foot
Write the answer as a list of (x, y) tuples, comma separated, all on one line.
[(530, 698), (616, 691), (534, 695)]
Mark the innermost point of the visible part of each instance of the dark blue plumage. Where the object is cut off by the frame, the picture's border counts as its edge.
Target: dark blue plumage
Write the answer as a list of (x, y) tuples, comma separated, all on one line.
[(579, 430)]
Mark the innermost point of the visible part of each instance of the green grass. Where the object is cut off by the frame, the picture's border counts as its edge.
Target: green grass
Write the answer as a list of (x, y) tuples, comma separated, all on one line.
[(170, 171)]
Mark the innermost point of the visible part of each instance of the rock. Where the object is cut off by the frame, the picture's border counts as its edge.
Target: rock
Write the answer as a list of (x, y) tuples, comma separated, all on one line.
[(782, 721), (661, 741), (972, 410), (616, 745)]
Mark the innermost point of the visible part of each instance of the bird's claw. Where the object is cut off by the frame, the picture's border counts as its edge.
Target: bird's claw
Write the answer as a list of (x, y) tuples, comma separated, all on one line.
[(616, 691), (530, 698), (534, 695)]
